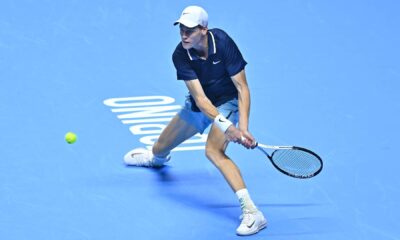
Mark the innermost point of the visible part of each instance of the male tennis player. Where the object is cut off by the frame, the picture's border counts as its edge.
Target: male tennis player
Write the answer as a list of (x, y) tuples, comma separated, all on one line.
[(212, 67)]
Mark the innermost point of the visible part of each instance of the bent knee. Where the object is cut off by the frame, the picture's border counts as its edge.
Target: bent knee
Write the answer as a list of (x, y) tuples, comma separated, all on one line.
[(217, 156)]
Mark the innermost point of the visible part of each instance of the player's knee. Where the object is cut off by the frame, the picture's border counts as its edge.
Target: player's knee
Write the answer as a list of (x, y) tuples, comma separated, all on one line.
[(209, 153), (215, 155)]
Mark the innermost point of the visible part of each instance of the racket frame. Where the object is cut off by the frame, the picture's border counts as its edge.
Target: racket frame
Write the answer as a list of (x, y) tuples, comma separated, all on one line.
[(262, 147)]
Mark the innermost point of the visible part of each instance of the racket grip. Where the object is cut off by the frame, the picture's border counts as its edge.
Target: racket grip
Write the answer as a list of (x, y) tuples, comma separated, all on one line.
[(252, 147), (255, 145)]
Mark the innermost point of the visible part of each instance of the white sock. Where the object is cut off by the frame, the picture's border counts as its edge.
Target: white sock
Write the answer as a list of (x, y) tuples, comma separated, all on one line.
[(245, 201), (161, 160)]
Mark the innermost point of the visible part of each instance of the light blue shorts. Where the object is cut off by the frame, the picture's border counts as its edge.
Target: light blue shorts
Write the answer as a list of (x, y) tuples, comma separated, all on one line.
[(200, 121)]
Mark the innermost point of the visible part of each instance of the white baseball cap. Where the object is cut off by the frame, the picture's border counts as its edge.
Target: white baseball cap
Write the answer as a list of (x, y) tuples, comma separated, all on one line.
[(193, 16)]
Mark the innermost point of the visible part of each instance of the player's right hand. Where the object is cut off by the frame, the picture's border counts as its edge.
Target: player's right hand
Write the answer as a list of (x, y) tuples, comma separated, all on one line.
[(233, 134)]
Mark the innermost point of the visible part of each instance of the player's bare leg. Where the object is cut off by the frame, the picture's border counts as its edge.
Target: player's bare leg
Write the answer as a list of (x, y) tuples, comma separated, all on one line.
[(174, 134), (215, 152), (252, 219)]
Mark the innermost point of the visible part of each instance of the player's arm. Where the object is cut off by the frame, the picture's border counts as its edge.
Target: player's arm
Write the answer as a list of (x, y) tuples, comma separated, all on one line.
[(202, 101), (206, 106), (240, 82)]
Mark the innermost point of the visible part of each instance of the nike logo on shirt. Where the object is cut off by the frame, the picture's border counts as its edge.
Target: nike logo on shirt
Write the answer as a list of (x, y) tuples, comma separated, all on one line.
[(216, 62)]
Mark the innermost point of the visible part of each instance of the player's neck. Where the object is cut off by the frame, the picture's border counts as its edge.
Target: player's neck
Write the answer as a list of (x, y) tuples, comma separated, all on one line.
[(202, 48)]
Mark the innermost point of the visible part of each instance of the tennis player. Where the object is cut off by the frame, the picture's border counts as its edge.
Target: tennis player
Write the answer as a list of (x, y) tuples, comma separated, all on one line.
[(213, 69)]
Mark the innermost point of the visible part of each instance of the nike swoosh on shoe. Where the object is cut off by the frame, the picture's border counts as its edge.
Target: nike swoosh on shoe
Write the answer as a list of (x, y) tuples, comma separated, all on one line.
[(249, 226)]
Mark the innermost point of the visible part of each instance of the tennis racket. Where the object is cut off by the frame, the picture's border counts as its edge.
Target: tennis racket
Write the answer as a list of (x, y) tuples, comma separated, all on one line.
[(293, 161)]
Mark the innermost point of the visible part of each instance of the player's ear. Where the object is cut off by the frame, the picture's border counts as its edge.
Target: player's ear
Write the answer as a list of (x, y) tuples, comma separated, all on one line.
[(204, 30)]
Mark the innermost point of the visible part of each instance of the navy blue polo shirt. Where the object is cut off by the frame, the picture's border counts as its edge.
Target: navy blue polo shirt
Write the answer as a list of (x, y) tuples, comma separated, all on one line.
[(224, 60)]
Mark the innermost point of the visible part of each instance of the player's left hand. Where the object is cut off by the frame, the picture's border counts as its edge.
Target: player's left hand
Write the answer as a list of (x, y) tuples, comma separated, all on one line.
[(233, 134), (247, 140)]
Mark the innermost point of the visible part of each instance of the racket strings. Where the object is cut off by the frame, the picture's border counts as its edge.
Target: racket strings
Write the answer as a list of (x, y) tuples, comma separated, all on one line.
[(296, 162)]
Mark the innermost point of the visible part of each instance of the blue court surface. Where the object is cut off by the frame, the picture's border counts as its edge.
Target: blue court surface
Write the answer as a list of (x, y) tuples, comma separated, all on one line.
[(322, 74)]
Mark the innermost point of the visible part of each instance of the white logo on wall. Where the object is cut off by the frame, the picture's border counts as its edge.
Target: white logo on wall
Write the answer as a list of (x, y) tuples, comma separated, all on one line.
[(147, 116)]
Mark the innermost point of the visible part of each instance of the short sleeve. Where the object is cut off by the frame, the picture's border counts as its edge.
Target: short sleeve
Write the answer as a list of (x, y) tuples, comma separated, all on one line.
[(233, 59), (182, 65)]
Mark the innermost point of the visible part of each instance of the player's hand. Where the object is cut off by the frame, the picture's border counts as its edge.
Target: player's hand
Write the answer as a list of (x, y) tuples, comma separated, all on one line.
[(233, 134), (247, 140), (242, 137)]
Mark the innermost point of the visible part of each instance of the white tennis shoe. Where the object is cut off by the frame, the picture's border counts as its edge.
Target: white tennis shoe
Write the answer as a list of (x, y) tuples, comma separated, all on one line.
[(252, 222), (142, 157)]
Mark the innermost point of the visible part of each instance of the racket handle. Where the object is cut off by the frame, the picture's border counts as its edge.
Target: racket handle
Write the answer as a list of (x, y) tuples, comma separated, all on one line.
[(252, 147)]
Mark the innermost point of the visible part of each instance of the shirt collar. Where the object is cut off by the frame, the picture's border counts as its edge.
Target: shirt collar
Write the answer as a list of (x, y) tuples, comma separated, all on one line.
[(212, 48)]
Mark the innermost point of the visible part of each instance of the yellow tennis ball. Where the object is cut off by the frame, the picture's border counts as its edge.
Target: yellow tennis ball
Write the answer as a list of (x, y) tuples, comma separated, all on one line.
[(70, 137)]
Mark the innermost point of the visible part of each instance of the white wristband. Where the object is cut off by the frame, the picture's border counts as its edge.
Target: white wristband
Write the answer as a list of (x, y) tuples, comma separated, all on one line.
[(222, 123)]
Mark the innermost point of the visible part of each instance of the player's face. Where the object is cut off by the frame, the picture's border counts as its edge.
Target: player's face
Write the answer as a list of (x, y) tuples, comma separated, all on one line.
[(191, 37)]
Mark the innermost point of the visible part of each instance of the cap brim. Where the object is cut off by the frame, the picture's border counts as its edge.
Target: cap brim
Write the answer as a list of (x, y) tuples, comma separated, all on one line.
[(188, 24)]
